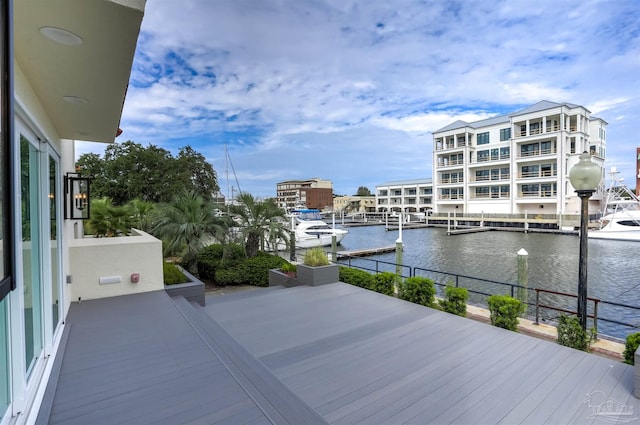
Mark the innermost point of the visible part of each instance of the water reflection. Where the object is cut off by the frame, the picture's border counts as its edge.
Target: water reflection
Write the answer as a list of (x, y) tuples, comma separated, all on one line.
[(614, 266)]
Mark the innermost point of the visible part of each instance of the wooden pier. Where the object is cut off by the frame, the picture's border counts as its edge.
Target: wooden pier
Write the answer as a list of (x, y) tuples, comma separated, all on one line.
[(366, 251)]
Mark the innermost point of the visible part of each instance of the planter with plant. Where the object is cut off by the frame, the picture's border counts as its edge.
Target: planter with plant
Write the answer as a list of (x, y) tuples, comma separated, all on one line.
[(179, 282), (284, 276), (316, 269)]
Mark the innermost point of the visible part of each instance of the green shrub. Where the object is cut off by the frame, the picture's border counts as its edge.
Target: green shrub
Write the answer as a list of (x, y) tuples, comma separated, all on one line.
[(172, 274), (571, 334), (418, 289), (356, 277), (505, 311), (215, 256), (384, 283), (630, 347), (249, 271), (455, 301), (227, 277)]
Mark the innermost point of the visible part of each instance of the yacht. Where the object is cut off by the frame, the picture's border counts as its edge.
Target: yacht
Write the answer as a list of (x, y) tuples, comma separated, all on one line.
[(621, 213), (311, 231)]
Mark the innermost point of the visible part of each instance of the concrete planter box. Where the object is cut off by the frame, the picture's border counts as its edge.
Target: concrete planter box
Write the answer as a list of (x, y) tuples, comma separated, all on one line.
[(321, 275), (192, 291), (278, 278)]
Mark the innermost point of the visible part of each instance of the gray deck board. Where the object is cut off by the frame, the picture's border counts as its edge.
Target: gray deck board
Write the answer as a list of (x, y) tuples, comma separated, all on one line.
[(328, 354), (360, 357), (135, 359)]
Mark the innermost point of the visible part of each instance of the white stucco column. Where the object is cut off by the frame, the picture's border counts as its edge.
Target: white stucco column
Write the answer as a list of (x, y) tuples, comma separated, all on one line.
[(544, 124)]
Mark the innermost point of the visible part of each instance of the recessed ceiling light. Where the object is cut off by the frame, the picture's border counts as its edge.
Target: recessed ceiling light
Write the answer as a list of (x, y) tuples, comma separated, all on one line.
[(75, 100), (61, 36)]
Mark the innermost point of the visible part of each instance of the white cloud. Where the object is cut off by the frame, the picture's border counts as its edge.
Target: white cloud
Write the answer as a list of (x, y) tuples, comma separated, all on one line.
[(362, 78)]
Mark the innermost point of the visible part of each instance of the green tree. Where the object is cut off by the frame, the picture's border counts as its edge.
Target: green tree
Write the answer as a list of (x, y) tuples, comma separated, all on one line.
[(196, 173), (186, 225), (363, 191), (259, 221), (130, 171)]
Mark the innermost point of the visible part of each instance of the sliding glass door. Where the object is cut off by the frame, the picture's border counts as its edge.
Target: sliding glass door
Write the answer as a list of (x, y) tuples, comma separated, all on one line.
[(31, 250)]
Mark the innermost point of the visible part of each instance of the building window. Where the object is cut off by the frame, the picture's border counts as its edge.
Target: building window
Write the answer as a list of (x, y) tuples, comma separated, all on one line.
[(505, 134), (482, 175), (483, 138), (483, 156)]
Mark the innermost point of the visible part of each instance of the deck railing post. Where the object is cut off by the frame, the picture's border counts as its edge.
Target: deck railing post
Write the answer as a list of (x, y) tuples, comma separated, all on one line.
[(537, 307), (595, 316)]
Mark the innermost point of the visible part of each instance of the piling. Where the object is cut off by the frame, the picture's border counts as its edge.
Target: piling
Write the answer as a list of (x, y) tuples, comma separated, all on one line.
[(523, 275)]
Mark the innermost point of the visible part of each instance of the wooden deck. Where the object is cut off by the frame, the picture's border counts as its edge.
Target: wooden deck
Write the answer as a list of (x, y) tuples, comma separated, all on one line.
[(328, 354)]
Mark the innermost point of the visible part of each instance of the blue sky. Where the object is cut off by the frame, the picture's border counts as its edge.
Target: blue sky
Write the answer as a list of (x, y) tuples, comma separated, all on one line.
[(350, 90)]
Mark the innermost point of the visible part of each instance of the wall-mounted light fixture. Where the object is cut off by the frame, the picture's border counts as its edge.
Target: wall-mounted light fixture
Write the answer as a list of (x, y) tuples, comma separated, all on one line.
[(78, 194)]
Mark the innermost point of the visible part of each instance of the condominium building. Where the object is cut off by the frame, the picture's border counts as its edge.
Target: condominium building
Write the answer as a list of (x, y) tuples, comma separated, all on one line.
[(405, 196), (516, 163), (354, 204), (311, 193)]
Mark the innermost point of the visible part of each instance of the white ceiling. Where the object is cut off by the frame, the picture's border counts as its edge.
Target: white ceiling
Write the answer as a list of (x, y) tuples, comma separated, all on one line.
[(97, 70)]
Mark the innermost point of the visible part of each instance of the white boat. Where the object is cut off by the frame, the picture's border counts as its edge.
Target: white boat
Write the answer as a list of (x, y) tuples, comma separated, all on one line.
[(621, 213), (311, 231)]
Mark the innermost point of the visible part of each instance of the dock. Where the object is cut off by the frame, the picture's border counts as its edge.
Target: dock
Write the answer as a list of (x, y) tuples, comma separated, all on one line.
[(366, 251), (468, 230)]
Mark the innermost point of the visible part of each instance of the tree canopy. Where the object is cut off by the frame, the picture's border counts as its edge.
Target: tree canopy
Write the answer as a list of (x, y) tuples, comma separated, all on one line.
[(130, 171), (363, 191)]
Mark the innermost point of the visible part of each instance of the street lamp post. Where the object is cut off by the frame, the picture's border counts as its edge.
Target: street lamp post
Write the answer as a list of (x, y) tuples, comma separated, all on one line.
[(584, 177)]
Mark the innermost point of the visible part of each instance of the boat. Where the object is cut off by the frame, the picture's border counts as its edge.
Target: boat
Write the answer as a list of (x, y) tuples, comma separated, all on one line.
[(311, 230), (621, 213)]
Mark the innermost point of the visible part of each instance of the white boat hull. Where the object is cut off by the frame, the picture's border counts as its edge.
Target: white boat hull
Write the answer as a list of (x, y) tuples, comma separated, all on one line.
[(613, 235), (319, 240)]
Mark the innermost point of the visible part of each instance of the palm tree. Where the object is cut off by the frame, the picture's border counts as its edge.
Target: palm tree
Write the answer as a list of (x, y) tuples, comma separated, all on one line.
[(259, 220), (188, 224), (141, 214), (108, 220)]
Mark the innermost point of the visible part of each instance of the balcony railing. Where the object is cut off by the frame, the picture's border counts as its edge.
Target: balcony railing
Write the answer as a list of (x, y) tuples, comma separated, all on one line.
[(537, 174), (490, 195), (452, 180), (450, 197), (536, 131), (500, 157), (538, 194), (490, 178), (537, 152), (450, 163)]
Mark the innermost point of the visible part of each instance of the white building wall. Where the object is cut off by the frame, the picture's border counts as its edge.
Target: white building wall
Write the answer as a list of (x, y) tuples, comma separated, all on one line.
[(540, 138)]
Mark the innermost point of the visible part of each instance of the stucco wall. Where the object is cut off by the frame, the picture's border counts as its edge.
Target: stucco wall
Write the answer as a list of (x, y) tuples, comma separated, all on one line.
[(95, 258)]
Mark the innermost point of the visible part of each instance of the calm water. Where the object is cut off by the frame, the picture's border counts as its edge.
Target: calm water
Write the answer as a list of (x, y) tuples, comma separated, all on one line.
[(613, 268)]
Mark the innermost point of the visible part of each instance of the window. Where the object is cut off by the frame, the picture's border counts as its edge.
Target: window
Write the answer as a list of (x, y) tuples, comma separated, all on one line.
[(483, 156), (482, 175), (505, 153), (483, 138), (495, 155), (505, 134)]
